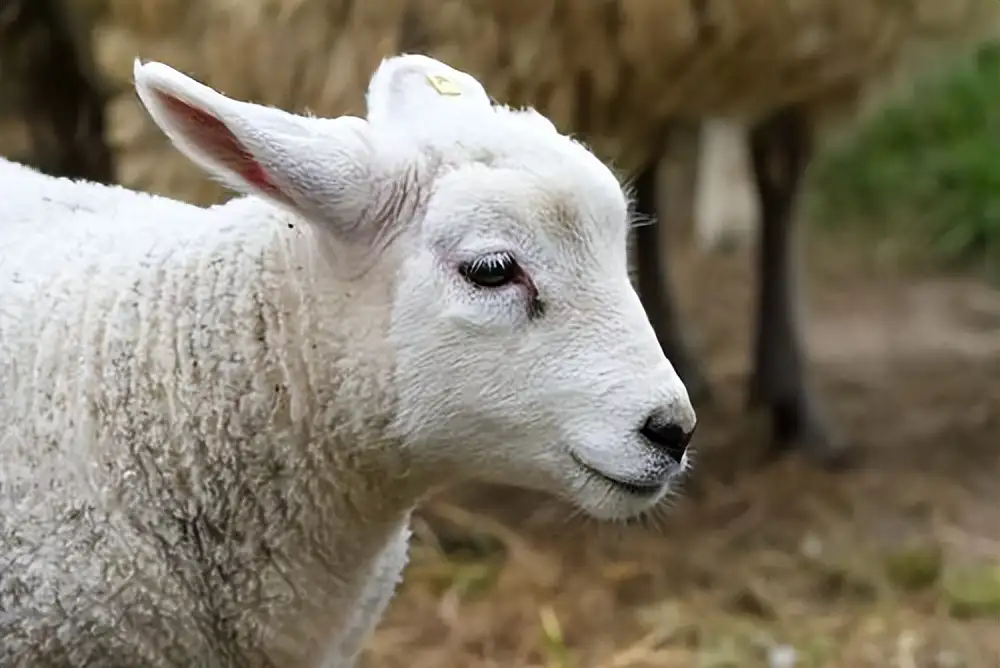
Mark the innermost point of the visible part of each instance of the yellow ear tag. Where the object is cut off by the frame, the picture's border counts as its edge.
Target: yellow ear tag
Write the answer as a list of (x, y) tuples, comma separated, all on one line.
[(443, 85)]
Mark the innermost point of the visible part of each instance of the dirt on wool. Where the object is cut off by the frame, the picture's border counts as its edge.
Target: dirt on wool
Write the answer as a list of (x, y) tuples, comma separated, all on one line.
[(894, 563)]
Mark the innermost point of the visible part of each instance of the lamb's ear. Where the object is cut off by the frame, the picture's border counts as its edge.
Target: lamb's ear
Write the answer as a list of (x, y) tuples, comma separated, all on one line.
[(413, 92), (320, 168)]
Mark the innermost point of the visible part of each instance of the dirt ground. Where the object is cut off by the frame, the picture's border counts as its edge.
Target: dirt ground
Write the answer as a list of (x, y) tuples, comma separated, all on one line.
[(895, 563)]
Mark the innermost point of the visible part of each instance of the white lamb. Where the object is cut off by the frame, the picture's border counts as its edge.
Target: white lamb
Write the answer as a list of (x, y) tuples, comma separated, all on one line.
[(214, 423)]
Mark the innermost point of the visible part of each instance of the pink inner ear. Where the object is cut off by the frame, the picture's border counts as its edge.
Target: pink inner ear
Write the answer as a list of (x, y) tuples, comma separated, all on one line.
[(212, 136)]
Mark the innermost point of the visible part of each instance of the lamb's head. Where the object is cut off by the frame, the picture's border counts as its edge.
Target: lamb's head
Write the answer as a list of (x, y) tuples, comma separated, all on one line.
[(522, 354)]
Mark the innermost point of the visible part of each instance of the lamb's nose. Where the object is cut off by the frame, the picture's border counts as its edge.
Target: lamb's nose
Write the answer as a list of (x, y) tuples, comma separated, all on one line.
[(667, 435)]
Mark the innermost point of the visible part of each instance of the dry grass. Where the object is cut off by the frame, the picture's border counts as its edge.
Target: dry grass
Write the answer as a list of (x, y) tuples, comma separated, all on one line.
[(750, 581)]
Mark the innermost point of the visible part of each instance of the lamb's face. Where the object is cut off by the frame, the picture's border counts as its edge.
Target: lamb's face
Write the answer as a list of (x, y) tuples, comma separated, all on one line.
[(525, 356)]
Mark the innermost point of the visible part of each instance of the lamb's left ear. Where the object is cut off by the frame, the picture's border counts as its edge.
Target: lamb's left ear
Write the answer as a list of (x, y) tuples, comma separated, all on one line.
[(320, 168)]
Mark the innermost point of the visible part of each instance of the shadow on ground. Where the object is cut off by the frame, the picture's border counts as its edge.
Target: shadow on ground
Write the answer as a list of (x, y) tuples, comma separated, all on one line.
[(896, 563)]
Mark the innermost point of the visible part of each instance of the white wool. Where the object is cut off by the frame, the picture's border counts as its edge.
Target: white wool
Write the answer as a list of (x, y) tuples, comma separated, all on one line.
[(215, 423)]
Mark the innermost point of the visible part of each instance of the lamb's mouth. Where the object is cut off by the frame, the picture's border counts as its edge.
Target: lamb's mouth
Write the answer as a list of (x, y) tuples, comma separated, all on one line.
[(644, 489)]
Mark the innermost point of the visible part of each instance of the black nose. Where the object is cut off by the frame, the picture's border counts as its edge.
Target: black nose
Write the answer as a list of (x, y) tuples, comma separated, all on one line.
[(667, 436)]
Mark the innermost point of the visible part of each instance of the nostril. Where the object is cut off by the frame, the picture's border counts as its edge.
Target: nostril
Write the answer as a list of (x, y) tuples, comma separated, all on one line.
[(667, 436)]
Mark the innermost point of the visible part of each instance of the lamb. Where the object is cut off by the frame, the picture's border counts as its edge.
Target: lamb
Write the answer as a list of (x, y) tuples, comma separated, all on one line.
[(215, 422), (636, 79)]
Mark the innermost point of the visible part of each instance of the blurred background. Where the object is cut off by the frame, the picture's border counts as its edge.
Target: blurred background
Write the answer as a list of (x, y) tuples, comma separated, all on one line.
[(763, 560)]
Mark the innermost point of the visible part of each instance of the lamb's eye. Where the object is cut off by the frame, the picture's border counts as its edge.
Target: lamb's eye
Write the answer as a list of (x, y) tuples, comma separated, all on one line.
[(490, 271)]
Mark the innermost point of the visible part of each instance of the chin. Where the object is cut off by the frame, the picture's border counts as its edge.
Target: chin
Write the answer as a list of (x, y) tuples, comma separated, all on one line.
[(608, 497), (616, 505)]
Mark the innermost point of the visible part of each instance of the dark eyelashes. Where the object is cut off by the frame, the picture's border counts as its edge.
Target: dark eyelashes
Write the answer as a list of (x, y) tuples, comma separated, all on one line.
[(493, 270)]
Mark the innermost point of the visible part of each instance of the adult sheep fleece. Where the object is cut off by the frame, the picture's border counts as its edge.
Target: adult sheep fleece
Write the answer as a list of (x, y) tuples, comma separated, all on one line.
[(215, 422)]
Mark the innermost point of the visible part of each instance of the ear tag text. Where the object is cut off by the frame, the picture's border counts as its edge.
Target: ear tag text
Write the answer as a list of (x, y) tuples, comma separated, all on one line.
[(443, 85)]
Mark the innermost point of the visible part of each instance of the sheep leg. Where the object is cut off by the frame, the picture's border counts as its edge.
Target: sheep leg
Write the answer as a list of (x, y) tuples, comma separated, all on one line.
[(725, 206), (655, 290), (780, 147)]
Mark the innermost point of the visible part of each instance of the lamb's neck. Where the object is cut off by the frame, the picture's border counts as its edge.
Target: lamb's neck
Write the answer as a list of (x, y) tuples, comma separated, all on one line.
[(313, 351), (351, 486)]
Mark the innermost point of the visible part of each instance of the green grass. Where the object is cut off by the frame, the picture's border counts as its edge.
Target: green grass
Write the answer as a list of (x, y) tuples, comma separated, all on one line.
[(927, 170)]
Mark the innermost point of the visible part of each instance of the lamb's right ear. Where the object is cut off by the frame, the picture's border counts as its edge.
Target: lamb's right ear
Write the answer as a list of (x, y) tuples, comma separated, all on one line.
[(415, 94), (323, 169)]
